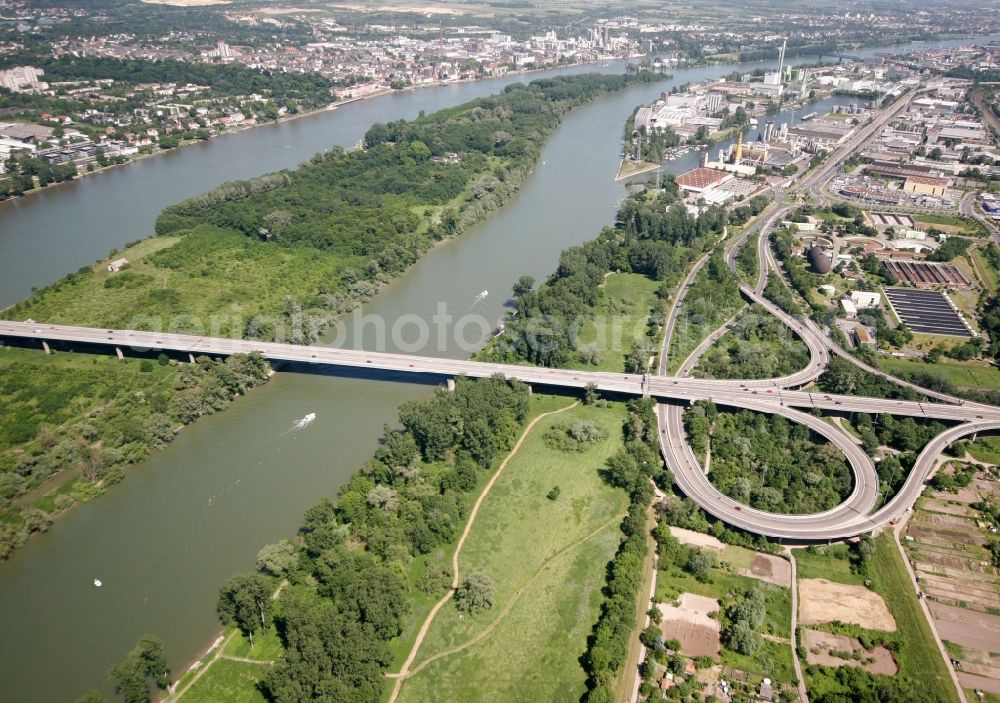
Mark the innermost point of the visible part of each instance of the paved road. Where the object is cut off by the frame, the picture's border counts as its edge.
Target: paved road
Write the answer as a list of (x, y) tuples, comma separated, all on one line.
[(762, 395), (969, 209), (851, 517), (738, 393)]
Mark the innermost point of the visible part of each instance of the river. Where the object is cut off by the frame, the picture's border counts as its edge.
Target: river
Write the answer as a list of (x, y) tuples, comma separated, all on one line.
[(194, 513)]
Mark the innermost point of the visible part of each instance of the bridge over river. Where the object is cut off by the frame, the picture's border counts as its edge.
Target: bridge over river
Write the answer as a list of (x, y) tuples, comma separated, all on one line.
[(763, 395)]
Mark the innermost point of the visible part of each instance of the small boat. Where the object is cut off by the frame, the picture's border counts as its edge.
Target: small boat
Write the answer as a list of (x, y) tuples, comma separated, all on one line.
[(98, 583), (299, 424)]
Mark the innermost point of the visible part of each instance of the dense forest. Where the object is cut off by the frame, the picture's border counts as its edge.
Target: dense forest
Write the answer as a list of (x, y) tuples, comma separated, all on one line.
[(758, 346), (320, 239), (766, 461)]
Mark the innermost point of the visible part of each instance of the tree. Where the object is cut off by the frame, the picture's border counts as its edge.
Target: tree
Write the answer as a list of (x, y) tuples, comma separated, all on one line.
[(277, 559), (475, 594), (742, 638), (246, 601), (699, 564), (146, 660), (637, 360)]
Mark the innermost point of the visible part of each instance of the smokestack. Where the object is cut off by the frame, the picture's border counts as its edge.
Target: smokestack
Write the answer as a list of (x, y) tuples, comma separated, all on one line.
[(781, 57), (704, 158), (739, 150)]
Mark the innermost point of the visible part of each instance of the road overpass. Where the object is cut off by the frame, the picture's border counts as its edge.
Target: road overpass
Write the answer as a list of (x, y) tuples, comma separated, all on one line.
[(748, 393), (775, 395)]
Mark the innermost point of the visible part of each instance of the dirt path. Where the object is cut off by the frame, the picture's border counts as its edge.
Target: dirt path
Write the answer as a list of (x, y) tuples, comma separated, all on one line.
[(510, 604), (246, 660), (803, 695), (178, 693), (405, 669), (219, 647)]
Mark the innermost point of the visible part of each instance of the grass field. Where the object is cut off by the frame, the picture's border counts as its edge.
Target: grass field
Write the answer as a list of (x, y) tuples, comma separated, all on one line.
[(215, 280), (964, 375), (548, 561), (988, 273), (227, 679), (619, 320), (919, 657), (986, 449), (631, 168), (963, 225), (830, 563), (420, 602), (230, 681)]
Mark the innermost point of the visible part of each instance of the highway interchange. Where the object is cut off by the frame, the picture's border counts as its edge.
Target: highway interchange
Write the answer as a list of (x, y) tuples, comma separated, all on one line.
[(777, 395)]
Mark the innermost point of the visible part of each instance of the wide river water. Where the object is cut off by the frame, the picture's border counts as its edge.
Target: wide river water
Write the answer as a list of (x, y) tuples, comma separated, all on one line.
[(164, 540)]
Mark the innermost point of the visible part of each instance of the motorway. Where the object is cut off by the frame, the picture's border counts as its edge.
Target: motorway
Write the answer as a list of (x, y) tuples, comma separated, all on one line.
[(854, 515), (775, 395), (748, 393)]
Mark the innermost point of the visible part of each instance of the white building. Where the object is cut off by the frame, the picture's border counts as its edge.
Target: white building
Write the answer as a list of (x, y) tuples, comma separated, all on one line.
[(863, 300)]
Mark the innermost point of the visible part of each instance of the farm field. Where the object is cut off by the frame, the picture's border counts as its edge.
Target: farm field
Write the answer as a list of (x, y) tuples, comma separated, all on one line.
[(547, 559), (891, 620), (947, 548), (687, 604)]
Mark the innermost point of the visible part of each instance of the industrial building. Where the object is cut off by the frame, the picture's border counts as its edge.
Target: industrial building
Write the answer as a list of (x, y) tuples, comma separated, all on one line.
[(927, 273), (700, 179), (926, 185)]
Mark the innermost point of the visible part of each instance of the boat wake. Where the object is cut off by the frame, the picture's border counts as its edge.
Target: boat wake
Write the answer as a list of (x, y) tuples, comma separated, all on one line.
[(300, 424), (479, 298)]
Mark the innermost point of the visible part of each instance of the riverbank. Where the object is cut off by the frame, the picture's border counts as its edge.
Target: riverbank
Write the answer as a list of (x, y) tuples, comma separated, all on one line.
[(627, 169), (169, 277), (198, 511), (330, 107), (99, 416)]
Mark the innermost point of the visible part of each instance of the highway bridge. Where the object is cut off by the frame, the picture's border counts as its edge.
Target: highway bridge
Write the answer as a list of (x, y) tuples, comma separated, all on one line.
[(775, 395), (750, 393)]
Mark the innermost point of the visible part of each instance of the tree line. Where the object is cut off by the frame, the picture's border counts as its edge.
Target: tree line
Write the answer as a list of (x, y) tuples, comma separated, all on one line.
[(631, 469), (654, 235)]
